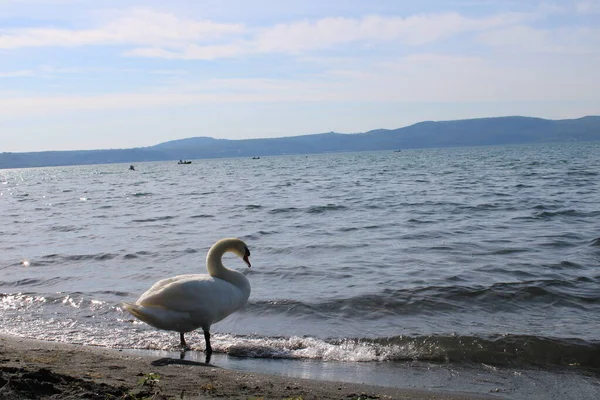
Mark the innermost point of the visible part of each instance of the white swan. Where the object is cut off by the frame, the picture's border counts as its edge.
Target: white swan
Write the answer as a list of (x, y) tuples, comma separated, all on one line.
[(187, 302)]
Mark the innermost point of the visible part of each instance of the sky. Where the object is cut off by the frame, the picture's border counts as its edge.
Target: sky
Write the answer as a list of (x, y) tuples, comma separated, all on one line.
[(79, 74)]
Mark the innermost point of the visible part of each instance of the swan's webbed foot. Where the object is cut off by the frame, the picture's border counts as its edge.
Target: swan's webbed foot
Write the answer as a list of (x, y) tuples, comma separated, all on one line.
[(208, 346)]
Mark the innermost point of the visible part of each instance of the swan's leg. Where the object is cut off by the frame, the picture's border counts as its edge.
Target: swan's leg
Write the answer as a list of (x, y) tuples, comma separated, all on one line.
[(208, 346), (182, 343), (184, 346)]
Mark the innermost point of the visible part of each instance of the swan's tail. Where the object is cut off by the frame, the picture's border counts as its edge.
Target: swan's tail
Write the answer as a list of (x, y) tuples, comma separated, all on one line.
[(142, 313), (133, 309)]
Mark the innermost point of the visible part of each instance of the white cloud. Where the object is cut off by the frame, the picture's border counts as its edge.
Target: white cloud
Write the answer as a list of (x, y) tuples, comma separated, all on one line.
[(165, 35), (17, 74), (191, 52), (44, 71), (137, 26), (147, 26), (415, 30), (304, 36)]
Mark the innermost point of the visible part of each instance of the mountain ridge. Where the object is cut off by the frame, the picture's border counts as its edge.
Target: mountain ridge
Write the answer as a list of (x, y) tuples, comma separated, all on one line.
[(424, 134)]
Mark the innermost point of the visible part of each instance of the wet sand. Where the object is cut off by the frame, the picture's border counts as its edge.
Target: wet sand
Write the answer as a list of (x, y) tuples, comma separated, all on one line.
[(33, 369)]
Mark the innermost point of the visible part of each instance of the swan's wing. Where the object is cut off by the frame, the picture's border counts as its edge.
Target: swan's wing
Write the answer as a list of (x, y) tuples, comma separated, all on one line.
[(194, 293), (164, 283)]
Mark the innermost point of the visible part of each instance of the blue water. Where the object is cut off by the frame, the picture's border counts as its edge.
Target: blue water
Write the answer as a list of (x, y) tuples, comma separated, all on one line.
[(467, 256)]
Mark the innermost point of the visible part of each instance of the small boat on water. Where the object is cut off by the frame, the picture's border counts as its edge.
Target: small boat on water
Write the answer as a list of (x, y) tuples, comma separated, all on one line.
[(184, 162), (256, 158)]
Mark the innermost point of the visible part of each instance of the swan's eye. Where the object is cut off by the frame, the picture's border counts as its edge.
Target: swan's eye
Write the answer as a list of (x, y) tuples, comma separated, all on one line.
[(247, 252)]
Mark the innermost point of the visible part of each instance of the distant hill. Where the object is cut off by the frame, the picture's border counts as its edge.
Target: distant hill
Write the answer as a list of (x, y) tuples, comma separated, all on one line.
[(469, 132)]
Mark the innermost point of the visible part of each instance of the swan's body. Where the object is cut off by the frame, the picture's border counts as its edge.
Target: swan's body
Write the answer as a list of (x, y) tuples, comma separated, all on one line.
[(187, 302)]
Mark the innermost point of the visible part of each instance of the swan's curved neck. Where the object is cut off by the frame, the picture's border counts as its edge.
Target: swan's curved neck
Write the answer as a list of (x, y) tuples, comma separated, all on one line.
[(214, 263), (215, 267)]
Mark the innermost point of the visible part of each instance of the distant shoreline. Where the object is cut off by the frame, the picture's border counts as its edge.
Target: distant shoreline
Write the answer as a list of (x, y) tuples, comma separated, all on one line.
[(428, 134)]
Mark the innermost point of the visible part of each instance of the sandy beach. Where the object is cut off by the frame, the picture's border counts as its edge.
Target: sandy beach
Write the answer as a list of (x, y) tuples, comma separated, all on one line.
[(33, 369)]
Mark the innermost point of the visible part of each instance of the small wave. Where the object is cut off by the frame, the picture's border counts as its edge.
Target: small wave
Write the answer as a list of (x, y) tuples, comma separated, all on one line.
[(95, 257), (541, 207), (18, 301), (179, 253), (322, 209), (582, 173), (113, 292), (565, 213), (510, 251), (141, 194), (143, 253), (251, 207), (481, 207), (53, 259), (32, 282), (155, 219), (336, 246), (513, 350), (566, 265), (550, 214), (420, 221), (283, 210), (372, 226), (65, 228), (27, 301), (199, 216), (266, 233)]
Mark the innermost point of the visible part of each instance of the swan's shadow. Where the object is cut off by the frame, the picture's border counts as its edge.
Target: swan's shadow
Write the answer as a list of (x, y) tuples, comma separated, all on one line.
[(161, 362)]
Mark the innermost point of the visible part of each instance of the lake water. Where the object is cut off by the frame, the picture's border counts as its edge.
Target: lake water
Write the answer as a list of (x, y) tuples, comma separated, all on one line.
[(381, 263)]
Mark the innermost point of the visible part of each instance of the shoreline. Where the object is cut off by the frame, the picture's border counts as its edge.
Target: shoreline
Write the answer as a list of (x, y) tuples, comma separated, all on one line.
[(32, 368)]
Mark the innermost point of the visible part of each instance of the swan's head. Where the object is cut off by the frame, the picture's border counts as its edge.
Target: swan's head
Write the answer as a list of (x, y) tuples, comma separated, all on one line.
[(234, 245), (240, 249), (246, 256)]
